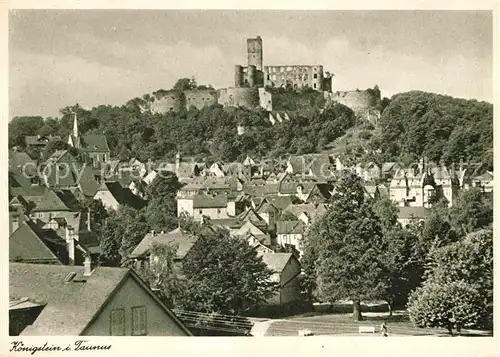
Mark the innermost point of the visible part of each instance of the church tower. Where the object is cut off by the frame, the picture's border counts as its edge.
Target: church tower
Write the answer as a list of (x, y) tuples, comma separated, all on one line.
[(74, 139)]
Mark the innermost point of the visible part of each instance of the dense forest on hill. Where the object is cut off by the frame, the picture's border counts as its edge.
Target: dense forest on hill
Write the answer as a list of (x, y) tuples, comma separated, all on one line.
[(411, 125), (438, 127)]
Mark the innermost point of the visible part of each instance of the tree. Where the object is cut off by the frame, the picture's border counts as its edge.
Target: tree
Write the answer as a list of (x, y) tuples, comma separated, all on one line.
[(19, 127), (124, 229), (54, 145), (387, 212), (224, 274), (183, 84), (471, 212), (343, 250), (162, 274), (161, 214), (449, 305), (405, 265), (165, 184), (97, 211), (459, 284)]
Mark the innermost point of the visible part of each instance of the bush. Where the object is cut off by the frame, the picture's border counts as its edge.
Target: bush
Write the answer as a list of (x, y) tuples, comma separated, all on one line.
[(365, 135), (451, 305)]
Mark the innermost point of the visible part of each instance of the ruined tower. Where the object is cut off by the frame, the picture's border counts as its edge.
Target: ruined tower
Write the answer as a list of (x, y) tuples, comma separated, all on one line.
[(254, 48)]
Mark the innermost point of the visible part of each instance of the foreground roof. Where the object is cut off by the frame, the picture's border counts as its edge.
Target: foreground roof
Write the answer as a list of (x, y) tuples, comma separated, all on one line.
[(70, 307), (183, 241)]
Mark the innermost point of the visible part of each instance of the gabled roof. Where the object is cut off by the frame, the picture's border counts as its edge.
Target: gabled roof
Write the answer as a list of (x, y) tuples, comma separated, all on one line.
[(39, 139), (206, 201), (63, 314), (122, 195), (59, 155), (27, 244), (93, 143), (51, 202), (21, 185), (184, 242), (276, 261), (250, 214), (440, 173), (290, 227), (281, 202), (247, 227), (266, 207), (486, 176), (19, 159), (318, 164), (383, 191), (388, 166), (311, 210), (88, 182), (229, 223)]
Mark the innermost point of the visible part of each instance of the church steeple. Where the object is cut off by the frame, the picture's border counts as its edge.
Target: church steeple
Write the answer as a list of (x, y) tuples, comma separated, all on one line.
[(76, 137)]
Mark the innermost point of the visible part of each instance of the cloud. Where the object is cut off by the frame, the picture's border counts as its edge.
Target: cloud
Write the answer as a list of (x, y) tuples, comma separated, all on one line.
[(96, 71), (43, 83)]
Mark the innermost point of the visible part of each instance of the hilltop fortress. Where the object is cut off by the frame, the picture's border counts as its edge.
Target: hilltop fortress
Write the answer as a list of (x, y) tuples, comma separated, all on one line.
[(254, 82)]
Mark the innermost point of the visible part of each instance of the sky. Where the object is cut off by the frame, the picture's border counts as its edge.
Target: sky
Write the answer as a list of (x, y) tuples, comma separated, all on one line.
[(60, 57)]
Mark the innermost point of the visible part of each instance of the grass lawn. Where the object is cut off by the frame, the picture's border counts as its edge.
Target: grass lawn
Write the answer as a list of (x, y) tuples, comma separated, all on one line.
[(342, 324)]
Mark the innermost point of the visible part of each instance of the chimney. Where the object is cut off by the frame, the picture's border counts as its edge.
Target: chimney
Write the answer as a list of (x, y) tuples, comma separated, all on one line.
[(70, 244), (89, 228), (87, 266), (14, 222), (152, 233), (177, 163)]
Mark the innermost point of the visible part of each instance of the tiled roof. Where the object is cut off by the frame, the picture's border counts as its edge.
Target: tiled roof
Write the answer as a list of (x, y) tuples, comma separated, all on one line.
[(206, 201), (94, 143), (383, 191), (122, 195), (487, 176), (310, 209), (280, 202), (70, 306), (177, 237), (21, 185), (262, 190), (50, 201), (276, 261), (319, 164), (250, 214), (289, 227), (88, 182), (440, 173), (230, 223), (388, 166), (39, 139), (18, 159), (27, 244)]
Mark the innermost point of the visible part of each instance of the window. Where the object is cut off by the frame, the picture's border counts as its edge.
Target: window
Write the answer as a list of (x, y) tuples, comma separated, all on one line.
[(315, 75), (314, 85), (218, 210), (139, 321), (117, 323), (200, 211)]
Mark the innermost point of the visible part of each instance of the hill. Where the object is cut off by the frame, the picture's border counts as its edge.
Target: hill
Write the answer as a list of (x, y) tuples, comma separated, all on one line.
[(412, 124)]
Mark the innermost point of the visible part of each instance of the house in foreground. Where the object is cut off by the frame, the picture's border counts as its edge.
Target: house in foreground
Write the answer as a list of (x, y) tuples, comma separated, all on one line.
[(58, 300), (286, 269)]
